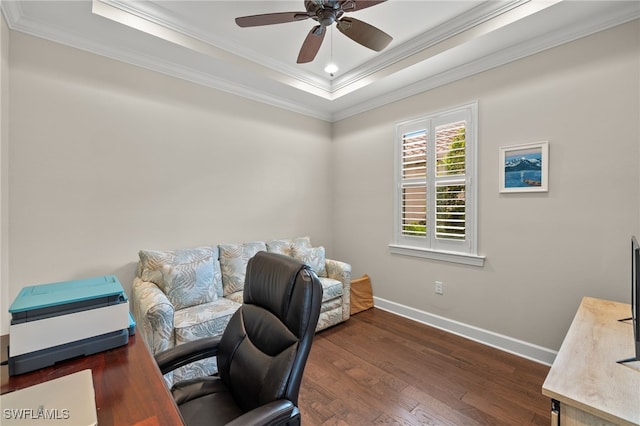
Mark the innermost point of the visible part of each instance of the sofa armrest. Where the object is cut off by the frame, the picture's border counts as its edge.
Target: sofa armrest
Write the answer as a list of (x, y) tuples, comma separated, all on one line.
[(154, 315), (341, 271)]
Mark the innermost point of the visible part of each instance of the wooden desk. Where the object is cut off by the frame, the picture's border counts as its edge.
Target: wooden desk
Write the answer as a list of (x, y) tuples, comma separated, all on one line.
[(591, 387), (128, 385)]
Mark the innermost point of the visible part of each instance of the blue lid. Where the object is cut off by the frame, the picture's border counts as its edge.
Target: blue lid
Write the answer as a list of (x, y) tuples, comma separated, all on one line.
[(45, 295)]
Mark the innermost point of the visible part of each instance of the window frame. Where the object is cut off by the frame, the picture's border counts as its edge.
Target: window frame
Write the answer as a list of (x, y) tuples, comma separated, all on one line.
[(430, 247)]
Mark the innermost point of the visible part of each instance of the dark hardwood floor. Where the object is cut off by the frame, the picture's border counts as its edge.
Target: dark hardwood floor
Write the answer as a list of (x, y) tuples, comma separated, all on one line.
[(380, 368)]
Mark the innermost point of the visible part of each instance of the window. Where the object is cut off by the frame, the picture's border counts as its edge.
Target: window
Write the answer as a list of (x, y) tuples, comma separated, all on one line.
[(435, 196)]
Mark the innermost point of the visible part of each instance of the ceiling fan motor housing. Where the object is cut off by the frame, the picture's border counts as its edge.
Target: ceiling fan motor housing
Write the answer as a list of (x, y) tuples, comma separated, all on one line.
[(325, 12)]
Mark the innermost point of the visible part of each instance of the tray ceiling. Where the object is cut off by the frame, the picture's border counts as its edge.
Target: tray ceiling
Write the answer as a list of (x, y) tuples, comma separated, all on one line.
[(434, 43)]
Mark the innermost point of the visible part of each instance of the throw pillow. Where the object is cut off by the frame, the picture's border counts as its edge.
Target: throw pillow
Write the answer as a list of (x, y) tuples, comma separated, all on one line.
[(286, 246), (301, 242), (280, 246), (233, 262), (152, 262), (314, 257), (189, 284)]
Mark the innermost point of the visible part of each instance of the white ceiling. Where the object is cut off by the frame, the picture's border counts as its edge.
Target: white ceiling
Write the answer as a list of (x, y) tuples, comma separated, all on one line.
[(434, 42)]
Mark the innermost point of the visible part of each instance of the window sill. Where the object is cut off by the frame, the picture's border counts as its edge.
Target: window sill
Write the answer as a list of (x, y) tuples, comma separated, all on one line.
[(445, 256)]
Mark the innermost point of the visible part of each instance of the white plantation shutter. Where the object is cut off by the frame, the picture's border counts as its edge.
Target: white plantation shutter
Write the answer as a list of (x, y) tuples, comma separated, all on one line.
[(435, 196), (450, 181), (414, 191)]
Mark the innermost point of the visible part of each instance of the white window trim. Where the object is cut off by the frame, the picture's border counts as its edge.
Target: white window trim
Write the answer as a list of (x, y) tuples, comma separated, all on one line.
[(446, 256), (400, 247)]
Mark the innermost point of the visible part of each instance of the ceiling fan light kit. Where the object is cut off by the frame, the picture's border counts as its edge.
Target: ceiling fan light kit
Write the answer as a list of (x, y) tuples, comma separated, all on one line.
[(326, 13), (331, 68)]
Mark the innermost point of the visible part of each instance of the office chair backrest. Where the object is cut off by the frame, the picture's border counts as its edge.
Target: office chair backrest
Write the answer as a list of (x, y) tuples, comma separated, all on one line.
[(266, 344)]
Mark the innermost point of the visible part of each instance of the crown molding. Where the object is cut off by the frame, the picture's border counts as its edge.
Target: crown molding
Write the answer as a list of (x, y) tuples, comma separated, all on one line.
[(461, 23), (522, 50), (12, 11), (18, 21), (153, 12)]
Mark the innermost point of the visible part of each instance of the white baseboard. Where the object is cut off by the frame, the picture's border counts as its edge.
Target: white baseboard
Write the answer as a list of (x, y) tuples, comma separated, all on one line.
[(508, 344)]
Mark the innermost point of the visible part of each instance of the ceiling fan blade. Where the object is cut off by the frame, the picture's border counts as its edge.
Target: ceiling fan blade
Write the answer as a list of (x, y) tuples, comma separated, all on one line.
[(353, 5), (363, 33), (270, 19), (311, 44)]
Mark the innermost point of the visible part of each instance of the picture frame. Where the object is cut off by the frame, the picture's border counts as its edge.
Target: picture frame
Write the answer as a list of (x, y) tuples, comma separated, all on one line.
[(524, 167)]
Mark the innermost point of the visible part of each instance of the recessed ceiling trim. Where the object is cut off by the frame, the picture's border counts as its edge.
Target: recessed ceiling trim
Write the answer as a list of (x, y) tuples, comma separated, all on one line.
[(18, 21), (113, 11), (473, 26), (12, 12), (153, 12), (461, 23), (549, 40), (197, 67), (496, 22)]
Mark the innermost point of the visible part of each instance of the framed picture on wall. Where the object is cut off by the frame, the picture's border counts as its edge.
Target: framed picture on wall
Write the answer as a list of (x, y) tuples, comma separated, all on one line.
[(524, 168)]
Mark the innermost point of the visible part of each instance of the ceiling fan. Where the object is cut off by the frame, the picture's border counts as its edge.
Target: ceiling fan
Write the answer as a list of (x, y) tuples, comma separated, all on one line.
[(326, 12)]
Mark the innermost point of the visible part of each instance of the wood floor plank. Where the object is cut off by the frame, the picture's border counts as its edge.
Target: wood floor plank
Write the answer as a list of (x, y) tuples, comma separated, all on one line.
[(380, 368)]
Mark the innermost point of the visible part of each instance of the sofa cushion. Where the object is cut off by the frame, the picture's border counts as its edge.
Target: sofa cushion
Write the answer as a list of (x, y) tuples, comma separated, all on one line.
[(233, 263), (155, 266), (330, 317), (209, 319), (313, 256)]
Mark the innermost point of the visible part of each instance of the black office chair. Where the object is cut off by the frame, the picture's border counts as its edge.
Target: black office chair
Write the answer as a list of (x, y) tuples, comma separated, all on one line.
[(262, 353)]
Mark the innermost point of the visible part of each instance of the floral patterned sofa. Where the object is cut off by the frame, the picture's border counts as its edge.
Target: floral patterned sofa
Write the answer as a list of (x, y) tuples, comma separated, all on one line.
[(182, 295)]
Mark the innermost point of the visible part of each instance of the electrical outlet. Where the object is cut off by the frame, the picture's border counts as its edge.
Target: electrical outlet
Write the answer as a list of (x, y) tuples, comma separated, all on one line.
[(439, 287)]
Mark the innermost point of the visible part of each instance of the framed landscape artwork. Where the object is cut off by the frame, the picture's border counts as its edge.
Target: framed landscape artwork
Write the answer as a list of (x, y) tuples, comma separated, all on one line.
[(524, 168)]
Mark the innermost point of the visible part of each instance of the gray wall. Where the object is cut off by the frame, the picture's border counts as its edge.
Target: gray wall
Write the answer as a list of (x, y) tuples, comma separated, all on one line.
[(4, 170), (107, 159), (544, 252)]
